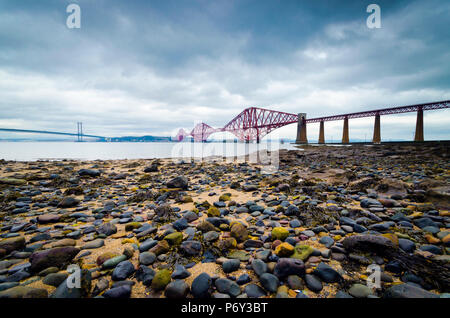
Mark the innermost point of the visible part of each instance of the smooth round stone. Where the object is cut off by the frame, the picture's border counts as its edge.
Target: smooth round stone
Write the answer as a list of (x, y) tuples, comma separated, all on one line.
[(123, 270), (254, 291), (327, 241), (55, 279), (146, 245), (313, 283), (180, 272), (406, 245), (327, 274), (269, 281), (259, 267), (309, 233), (211, 236), (294, 223), (177, 289), (93, 244), (360, 291), (200, 286), (231, 265), (123, 291), (243, 279), (147, 258), (227, 286)]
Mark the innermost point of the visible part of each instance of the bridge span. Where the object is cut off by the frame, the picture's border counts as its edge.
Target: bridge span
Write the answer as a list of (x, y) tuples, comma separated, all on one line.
[(253, 123), (52, 133)]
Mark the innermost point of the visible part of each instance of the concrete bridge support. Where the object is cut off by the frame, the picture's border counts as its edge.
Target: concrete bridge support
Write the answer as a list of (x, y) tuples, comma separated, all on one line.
[(376, 130), (419, 126), (322, 133), (345, 139), (301, 129)]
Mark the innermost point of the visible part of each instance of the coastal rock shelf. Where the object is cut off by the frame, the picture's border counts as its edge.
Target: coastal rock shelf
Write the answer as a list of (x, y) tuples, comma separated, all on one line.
[(322, 225)]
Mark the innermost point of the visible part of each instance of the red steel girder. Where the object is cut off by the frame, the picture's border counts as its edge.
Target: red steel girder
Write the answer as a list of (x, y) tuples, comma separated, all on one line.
[(202, 131), (254, 123)]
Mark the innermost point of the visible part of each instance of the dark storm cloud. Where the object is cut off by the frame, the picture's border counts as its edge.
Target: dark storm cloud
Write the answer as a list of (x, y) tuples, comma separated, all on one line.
[(150, 67)]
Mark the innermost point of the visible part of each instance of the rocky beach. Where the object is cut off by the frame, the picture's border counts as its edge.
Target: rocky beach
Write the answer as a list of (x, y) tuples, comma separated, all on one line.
[(157, 228)]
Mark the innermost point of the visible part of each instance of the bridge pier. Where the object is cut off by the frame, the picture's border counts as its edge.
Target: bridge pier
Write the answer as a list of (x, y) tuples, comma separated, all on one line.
[(345, 139), (321, 133), (301, 129), (419, 125), (376, 130)]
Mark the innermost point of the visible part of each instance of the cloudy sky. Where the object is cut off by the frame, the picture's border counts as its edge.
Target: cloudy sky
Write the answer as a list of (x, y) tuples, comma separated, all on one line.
[(151, 67)]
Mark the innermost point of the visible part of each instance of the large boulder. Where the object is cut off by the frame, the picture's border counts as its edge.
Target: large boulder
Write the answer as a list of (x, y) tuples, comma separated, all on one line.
[(408, 291), (58, 257), (68, 202), (48, 218), (12, 244), (89, 173), (368, 242), (180, 182), (239, 232), (107, 229), (289, 266), (24, 292)]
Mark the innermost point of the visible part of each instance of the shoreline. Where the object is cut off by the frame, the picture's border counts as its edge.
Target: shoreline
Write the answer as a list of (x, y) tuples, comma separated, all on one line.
[(162, 227)]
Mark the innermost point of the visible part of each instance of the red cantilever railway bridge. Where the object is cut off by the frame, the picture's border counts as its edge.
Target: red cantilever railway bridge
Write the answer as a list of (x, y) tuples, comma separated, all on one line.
[(253, 123)]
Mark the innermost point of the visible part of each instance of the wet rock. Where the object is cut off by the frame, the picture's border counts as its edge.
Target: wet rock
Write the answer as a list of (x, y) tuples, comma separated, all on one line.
[(12, 244), (107, 229), (289, 266), (313, 283), (89, 173), (191, 248), (407, 291), (48, 218), (227, 286), (123, 270), (24, 292), (269, 281), (59, 257), (161, 279), (180, 272), (231, 265), (68, 202), (254, 291), (177, 289), (123, 291), (201, 285), (279, 233), (239, 232), (147, 258), (360, 291), (55, 279), (178, 182), (367, 242), (327, 274)]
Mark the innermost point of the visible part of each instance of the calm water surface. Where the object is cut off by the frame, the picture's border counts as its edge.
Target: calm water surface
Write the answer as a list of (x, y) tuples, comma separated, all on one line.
[(29, 151)]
